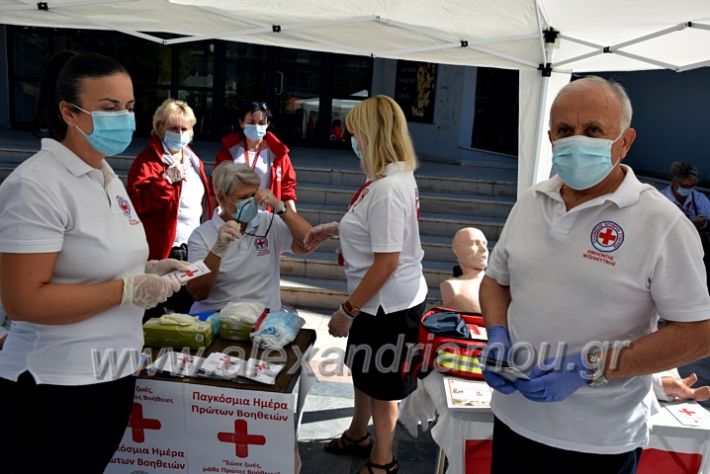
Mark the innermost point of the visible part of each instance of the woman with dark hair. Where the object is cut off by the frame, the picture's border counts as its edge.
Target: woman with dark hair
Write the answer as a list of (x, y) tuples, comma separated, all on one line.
[(74, 278), (262, 151)]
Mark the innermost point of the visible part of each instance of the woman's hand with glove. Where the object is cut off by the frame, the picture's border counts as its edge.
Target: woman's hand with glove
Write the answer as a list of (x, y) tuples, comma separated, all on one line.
[(319, 234), (226, 234), (147, 291)]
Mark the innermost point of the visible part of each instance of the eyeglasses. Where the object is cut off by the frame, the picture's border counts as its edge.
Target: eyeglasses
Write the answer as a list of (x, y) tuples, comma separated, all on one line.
[(265, 233), (260, 105)]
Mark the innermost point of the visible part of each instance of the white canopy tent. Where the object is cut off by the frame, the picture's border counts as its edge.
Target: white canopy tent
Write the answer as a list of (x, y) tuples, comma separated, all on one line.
[(546, 40)]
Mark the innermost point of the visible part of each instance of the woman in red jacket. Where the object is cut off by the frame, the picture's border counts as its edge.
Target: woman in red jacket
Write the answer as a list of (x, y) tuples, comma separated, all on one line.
[(168, 187), (262, 151)]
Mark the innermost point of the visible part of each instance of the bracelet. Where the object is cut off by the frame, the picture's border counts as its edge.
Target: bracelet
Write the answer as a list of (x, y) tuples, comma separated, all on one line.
[(352, 311), (342, 311)]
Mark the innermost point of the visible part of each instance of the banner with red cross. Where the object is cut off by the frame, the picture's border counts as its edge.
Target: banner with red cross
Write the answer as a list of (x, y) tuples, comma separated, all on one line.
[(240, 430), (155, 440)]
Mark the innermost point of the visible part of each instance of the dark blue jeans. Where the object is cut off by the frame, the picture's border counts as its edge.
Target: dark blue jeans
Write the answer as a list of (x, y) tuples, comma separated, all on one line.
[(515, 453)]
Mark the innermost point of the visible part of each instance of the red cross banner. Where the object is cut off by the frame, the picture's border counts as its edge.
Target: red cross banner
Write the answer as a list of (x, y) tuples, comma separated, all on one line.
[(238, 431), (155, 440), (186, 428)]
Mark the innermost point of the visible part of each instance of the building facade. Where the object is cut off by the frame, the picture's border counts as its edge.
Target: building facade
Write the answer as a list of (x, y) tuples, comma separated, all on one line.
[(456, 113)]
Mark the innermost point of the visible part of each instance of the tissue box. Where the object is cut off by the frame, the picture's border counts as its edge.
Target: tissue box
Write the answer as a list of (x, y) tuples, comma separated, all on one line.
[(198, 335)]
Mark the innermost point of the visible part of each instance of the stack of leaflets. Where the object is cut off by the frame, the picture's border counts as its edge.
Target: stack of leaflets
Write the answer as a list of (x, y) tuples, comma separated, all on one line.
[(218, 366), (177, 364), (467, 394)]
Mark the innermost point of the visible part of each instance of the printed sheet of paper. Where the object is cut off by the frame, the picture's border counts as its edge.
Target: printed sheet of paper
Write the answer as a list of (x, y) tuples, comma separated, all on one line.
[(690, 414), (467, 394), (194, 270)]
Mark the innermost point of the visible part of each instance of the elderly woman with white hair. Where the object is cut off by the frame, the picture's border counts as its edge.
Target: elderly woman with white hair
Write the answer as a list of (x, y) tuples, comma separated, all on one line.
[(242, 244)]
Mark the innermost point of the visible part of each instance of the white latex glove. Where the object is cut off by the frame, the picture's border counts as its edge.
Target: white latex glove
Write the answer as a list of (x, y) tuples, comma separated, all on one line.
[(162, 267), (146, 291), (340, 324), (265, 196), (320, 234), (226, 234)]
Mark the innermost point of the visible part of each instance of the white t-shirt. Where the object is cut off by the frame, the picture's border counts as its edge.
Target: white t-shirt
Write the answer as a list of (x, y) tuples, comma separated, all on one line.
[(599, 272), (262, 167), (250, 267), (55, 202), (384, 220), (190, 209)]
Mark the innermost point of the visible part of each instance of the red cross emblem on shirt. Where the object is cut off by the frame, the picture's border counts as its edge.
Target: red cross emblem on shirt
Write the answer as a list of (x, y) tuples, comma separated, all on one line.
[(241, 438), (138, 424), (607, 236), (261, 243)]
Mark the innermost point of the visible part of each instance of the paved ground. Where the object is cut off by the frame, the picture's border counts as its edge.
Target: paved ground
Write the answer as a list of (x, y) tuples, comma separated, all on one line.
[(329, 407)]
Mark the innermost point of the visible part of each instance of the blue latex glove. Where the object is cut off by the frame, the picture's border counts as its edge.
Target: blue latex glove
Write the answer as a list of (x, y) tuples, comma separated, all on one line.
[(497, 349), (559, 380)]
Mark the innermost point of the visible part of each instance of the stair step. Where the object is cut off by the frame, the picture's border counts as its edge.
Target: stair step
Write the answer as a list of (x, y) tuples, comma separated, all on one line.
[(325, 265), (432, 202), (443, 225), (323, 293), (452, 184)]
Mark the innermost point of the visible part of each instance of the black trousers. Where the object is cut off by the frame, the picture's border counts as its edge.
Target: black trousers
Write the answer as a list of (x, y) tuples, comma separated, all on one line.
[(515, 453), (57, 428)]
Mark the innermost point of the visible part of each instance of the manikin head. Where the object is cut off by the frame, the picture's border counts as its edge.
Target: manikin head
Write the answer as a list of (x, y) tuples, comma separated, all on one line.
[(471, 249)]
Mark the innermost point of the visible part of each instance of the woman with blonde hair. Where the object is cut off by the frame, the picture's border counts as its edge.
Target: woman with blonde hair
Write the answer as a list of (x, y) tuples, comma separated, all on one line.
[(380, 246), (168, 187)]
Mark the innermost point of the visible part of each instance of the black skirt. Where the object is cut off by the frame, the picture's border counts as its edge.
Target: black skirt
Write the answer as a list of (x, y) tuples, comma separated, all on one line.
[(378, 349)]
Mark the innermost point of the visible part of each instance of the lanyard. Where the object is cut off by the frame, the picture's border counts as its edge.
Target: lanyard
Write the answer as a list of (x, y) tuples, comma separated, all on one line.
[(246, 155), (356, 196), (359, 192)]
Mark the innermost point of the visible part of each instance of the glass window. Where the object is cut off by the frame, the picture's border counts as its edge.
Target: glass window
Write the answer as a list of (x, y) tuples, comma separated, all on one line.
[(352, 77), (495, 121), (196, 64), (147, 101), (245, 79), (25, 93), (201, 103)]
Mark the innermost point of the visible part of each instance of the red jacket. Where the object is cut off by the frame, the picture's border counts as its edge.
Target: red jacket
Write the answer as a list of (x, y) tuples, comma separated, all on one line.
[(157, 201), (283, 175)]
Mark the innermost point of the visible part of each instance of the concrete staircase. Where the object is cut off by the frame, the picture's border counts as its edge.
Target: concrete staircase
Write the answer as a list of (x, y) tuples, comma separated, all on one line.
[(451, 197)]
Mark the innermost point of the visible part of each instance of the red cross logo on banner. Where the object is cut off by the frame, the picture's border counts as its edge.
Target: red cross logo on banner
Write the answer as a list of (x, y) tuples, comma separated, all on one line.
[(241, 438), (138, 424), (607, 236)]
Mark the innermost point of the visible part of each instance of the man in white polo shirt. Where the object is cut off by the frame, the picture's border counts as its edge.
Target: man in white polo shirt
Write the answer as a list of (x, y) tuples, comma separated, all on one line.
[(241, 244), (586, 263)]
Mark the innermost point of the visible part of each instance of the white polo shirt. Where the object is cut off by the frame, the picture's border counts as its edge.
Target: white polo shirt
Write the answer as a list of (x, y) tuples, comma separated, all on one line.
[(190, 206), (384, 220), (250, 267), (599, 272), (55, 202), (262, 167)]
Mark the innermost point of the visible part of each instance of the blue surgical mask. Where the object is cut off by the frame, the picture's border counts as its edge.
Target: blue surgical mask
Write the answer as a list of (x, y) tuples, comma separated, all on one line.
[(246, 210), (113, 131), (685, 192), (356, 148), (254, 132), (177, 141), (582, 162)]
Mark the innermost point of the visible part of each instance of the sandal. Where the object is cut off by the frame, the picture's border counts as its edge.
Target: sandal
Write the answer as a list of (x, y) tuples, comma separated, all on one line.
[(389, 468), (345, 445)]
